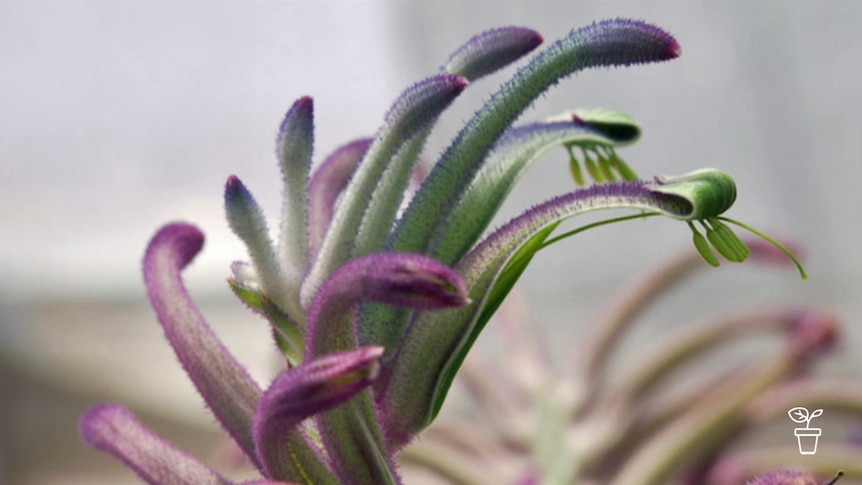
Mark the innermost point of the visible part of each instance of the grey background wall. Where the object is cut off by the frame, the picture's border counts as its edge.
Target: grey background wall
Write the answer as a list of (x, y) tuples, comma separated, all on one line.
[(116, 117)]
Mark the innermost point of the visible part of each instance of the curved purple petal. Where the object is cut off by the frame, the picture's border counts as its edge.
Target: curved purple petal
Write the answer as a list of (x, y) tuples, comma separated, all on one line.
[(112, 429), (224, 384), (299, 393), (398, 279)]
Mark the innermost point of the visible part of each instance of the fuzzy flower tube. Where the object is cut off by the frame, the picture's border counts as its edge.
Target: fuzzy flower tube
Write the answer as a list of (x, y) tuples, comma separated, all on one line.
[(374, 308)]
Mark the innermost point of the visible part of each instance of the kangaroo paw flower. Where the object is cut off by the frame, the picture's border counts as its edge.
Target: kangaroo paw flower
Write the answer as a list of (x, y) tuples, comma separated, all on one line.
[(296, 394), (112, 429), (223, 382)]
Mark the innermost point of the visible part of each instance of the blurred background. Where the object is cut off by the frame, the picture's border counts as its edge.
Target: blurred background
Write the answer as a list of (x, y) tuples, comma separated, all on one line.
[(116, 117)]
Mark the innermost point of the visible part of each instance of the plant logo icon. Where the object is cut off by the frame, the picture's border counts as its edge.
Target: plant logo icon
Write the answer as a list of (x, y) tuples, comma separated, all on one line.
[(807, 437)]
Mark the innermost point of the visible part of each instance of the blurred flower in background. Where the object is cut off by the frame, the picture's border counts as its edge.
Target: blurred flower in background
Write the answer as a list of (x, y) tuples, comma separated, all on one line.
[(698, 406)]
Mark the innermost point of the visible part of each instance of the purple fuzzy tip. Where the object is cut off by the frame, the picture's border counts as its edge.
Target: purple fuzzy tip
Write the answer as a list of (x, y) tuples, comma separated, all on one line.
[(185, 241), (303, 106), (489, 51), (426, 97), (114, 430), (671, 48), (234, 187), (299, 393), (626, 41), (400, 279)]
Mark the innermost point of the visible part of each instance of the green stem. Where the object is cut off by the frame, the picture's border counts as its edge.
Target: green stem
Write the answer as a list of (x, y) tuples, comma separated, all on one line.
[(772, 241)]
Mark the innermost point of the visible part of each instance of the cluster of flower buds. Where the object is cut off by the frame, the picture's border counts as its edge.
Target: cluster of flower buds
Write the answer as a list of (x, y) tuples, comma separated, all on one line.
[(373, 307)]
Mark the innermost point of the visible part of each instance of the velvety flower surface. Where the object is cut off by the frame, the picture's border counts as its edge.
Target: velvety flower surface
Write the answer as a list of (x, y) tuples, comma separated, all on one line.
[(375, 297)]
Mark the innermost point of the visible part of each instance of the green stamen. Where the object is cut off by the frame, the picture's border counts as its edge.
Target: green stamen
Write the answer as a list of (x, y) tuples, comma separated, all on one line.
[(575, 168), (593, 169), (730, 237), (717, 242), (724, 245), (605, 167), (702, 246), (622, 167)]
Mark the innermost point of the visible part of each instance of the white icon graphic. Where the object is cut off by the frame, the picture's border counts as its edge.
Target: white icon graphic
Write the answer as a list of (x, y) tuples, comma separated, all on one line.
[(807, 437)]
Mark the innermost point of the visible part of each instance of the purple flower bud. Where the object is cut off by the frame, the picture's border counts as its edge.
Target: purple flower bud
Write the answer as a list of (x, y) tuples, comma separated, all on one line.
[(247, 221), (224, 384), (491, 50), (294, 147), (304, 391), (399, 279)]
